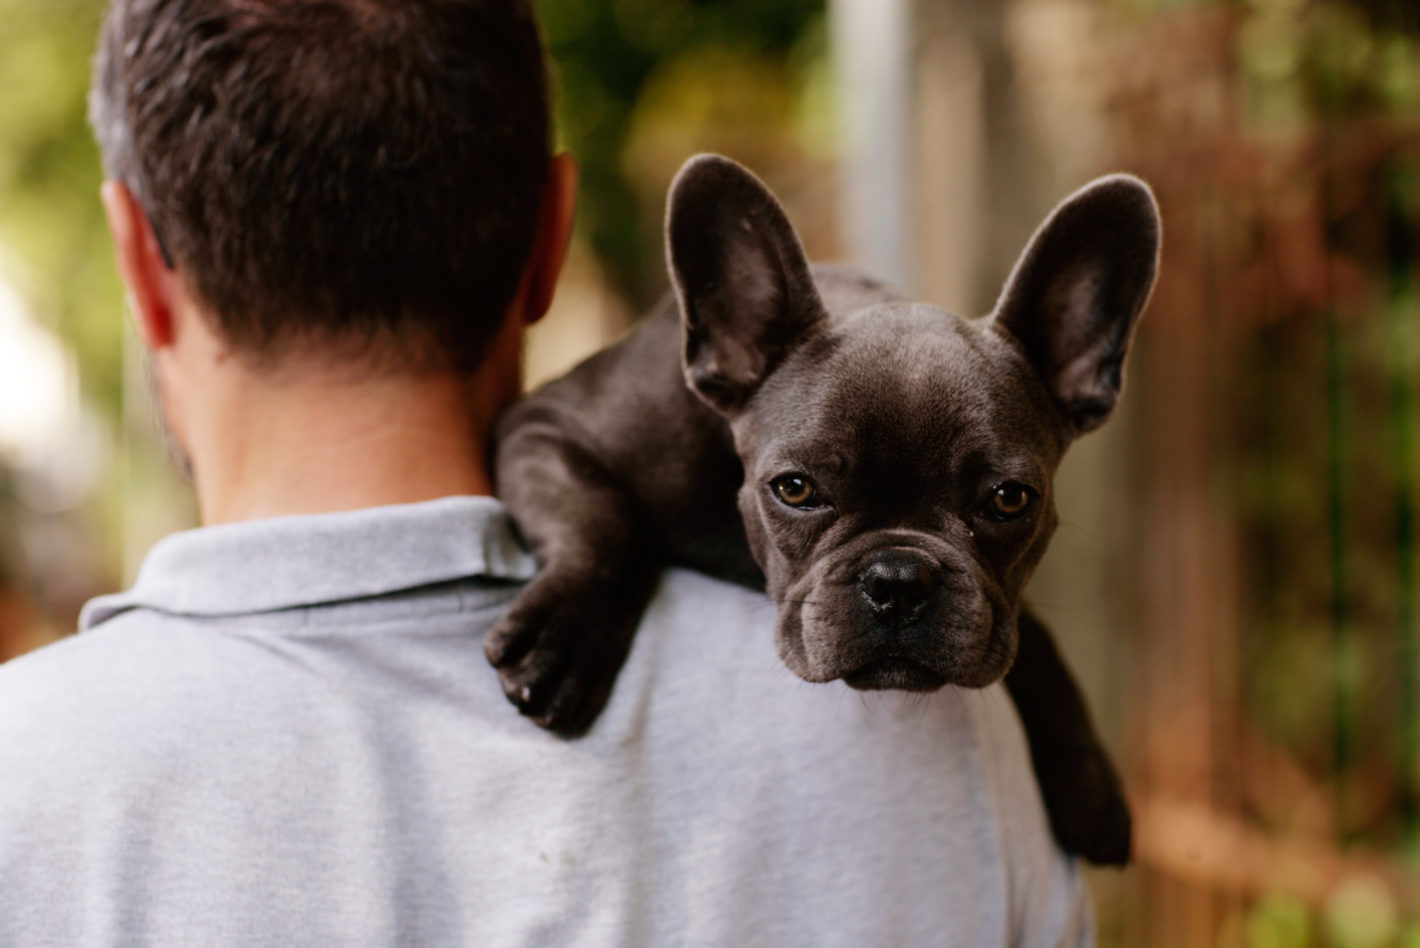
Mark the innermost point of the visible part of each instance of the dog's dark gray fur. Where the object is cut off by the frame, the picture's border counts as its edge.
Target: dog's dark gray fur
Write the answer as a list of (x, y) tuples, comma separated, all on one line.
[(892, 464)]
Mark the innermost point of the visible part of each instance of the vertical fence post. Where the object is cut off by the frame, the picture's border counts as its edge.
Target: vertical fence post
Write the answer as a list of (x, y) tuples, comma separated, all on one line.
[(1402, 356), (873, 57), (1342, 659), (1338, 449)]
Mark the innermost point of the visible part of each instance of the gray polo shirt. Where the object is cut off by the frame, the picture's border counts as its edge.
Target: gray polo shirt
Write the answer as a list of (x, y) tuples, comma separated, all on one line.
[(286, 734)]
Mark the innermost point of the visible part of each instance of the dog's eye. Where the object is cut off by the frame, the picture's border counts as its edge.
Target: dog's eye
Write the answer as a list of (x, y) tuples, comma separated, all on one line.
[(796, 491), (1011, 501)]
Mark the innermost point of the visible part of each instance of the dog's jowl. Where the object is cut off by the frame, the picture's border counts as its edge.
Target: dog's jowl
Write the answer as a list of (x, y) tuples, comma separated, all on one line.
[(813, 432)]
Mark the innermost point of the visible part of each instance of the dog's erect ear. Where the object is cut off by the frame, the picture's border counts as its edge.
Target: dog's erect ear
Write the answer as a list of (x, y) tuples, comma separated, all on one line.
[(1077, 292), (740, 276)]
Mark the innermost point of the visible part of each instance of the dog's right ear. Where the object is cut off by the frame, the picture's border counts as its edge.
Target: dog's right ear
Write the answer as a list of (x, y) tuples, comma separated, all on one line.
[(740, 277)]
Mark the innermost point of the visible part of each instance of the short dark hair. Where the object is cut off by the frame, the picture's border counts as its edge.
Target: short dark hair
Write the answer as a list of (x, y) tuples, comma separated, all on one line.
[(361, 174)]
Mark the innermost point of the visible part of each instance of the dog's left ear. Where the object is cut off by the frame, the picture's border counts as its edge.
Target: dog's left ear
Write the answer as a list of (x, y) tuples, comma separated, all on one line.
[(1077, 292)]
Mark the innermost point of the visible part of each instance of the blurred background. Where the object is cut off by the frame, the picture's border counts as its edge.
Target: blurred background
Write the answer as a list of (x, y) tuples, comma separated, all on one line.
[(1235, 578)]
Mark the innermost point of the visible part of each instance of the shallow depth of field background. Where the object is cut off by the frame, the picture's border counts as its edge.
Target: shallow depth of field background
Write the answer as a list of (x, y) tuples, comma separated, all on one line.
[(1235, 578)]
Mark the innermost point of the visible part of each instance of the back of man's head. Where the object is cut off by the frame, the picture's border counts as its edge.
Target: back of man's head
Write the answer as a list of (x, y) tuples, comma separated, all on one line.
[(358, 178)]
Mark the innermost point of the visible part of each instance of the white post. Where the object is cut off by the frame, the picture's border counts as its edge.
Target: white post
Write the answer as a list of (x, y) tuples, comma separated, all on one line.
[(873, 59)]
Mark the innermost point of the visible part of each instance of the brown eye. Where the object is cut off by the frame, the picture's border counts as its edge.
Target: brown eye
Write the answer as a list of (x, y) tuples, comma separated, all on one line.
[(1011, 501), (796, 491)]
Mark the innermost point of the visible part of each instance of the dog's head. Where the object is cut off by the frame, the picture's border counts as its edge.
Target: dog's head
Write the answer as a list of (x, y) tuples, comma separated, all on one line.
[(898, 458)]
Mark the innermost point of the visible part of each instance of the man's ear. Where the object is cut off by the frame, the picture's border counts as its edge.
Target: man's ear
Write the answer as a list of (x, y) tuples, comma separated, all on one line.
[(554, 235), (146, 275), (740, 277), (1076, 293)]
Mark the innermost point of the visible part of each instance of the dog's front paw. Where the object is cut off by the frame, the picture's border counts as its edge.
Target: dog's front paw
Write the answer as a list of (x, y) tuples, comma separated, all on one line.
[(560, 646), (1088, 812)]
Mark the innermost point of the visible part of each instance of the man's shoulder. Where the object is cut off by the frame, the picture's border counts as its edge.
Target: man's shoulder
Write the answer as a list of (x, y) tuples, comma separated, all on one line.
[(688, 596), (120, 698), (124, 653), (83, 673)]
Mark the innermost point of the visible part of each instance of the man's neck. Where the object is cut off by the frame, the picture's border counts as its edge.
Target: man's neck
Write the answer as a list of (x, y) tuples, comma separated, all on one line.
[(306, 436), (318, 445)]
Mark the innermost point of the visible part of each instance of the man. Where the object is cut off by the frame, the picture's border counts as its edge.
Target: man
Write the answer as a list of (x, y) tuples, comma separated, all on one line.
[(334, 220)]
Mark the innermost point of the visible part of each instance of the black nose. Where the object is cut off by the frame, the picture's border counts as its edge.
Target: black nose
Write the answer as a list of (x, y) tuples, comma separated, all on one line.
[(897, 584)]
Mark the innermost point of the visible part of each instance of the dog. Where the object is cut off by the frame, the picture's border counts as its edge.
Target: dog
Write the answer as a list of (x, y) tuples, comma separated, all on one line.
[(880, 466)]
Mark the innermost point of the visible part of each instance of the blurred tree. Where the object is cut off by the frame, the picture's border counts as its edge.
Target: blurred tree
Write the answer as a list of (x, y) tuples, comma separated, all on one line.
[(53, 244), (604, 53)]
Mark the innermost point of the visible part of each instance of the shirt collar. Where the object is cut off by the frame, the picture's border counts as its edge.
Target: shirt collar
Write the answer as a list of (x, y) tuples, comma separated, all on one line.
[(286, 562)]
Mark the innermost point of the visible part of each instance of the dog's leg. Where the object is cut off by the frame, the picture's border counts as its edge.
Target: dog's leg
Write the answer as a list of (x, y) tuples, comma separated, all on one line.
[(560, 646), (1082, 791)]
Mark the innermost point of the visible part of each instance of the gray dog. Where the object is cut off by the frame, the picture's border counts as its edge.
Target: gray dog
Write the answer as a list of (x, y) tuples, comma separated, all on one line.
[(892, 464)]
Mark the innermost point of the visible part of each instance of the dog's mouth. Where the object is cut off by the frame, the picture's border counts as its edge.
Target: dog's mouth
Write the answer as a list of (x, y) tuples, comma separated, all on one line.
[(894, 673)]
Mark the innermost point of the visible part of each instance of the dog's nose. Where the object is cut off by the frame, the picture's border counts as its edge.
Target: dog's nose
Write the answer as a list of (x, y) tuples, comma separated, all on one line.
[(897, 584)]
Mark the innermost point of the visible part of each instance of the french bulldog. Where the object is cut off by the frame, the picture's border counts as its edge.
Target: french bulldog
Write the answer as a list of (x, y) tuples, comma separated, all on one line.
[(880, 466)]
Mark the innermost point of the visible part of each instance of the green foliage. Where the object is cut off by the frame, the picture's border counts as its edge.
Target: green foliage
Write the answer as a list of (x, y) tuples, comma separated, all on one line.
[(1361, 913), (1278, 921), (1326, 59), (51, 226), (605, 52)]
